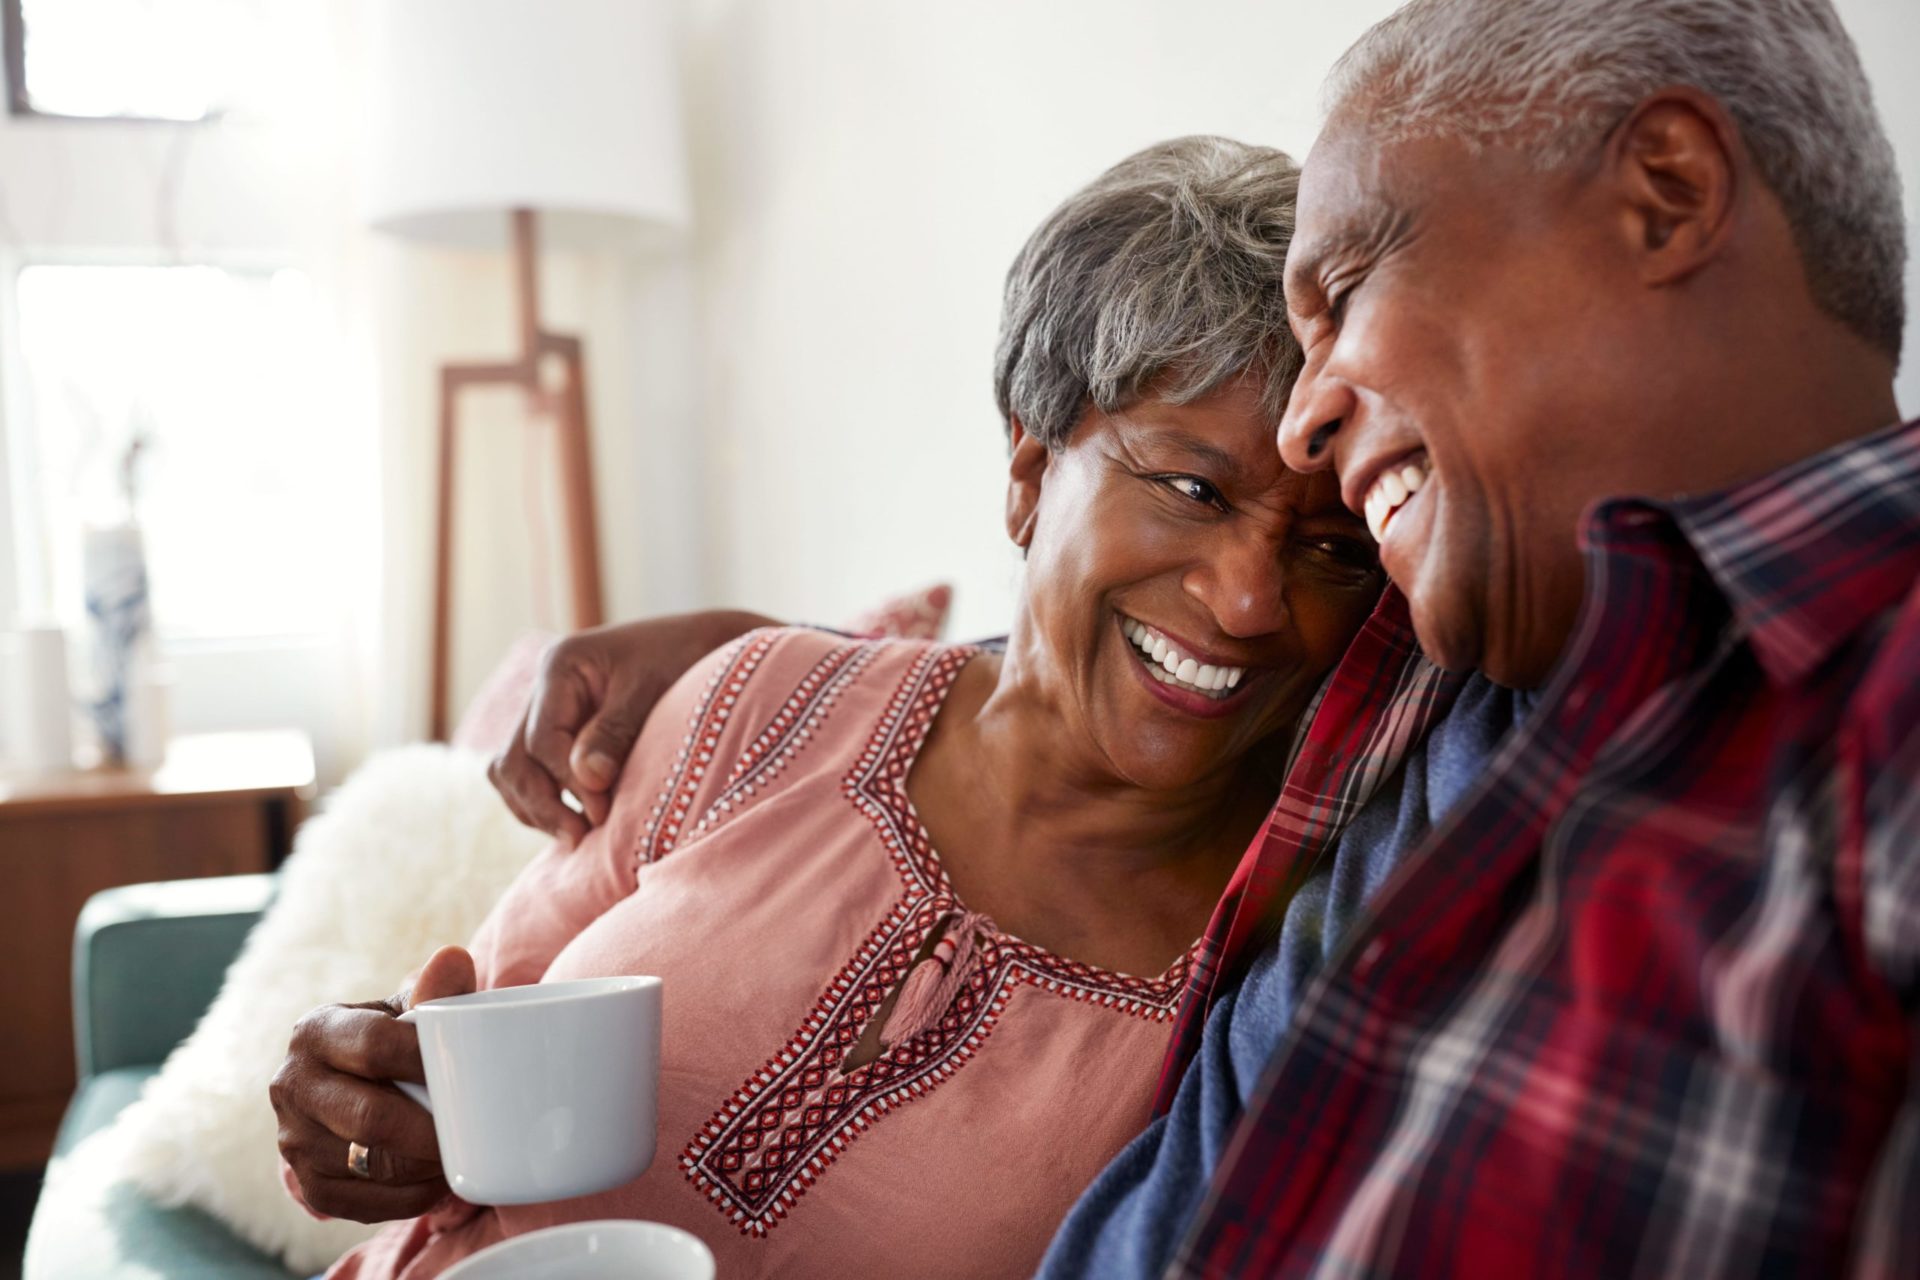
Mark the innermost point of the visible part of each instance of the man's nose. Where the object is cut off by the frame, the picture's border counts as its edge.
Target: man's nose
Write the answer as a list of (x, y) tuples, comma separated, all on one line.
[(1315, 413)]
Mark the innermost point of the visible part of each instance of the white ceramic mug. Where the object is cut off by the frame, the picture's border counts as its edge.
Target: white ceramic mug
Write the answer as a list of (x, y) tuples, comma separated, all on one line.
[(542, 1092), (593, 1251)]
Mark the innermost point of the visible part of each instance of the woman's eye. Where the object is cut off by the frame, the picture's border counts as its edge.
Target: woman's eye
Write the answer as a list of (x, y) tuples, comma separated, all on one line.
[(1195, 488), (1352, 552)]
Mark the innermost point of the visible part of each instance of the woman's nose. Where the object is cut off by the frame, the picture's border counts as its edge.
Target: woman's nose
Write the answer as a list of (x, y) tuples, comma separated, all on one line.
[(1243, 586)]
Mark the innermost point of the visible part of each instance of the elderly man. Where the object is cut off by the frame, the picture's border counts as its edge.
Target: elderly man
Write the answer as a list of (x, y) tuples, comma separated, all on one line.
[(1601, 308)]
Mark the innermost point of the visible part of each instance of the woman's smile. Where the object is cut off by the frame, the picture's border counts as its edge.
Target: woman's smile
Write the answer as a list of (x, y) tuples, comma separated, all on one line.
[(1177, 674)]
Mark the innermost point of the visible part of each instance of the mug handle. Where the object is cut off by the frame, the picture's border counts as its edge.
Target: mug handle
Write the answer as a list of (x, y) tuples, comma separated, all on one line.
[(418, 1092)]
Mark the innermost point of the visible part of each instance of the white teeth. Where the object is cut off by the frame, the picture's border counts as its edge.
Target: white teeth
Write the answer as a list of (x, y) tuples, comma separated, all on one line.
[(1173, 667), (1388, 492), (1376, 514)]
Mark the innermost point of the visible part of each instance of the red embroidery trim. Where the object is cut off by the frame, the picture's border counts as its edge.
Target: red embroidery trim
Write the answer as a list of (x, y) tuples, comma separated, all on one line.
[(788, 1122), (696, 749), (789, 732)]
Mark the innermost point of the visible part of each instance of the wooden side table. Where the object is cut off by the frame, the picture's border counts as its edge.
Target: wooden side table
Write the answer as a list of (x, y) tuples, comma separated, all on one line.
[(221, 804)]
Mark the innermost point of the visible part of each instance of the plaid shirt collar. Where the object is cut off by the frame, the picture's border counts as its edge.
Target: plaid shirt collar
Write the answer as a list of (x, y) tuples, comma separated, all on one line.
[(1805, 555)]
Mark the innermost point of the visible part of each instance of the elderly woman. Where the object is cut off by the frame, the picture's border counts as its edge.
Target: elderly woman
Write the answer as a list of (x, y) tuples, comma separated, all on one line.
[(924, 911)]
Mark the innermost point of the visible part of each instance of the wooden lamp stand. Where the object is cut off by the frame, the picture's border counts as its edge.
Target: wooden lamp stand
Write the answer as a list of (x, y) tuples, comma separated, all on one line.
[(551, 370)]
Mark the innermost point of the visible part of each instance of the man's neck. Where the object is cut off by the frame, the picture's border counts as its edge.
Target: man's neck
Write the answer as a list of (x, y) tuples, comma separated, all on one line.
[(1794, 392), (1790, 399)]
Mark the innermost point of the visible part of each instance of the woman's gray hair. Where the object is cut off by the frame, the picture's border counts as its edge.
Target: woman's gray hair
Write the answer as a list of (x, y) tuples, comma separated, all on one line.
[(1162, 277), (1555, 76)]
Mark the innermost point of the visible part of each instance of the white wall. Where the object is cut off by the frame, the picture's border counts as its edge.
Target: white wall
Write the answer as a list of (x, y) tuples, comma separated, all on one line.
[(794, 413), (865, 172)]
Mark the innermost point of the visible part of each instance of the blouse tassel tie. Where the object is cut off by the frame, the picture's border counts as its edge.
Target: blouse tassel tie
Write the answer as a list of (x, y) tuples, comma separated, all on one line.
[(933, 983)]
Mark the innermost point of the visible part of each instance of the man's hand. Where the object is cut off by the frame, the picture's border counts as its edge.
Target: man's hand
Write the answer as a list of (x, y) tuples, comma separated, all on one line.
[(333, 1089), (593, 693)]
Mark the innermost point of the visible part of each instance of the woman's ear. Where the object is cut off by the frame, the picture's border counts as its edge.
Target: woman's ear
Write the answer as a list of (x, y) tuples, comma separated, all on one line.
[(1026, 473)]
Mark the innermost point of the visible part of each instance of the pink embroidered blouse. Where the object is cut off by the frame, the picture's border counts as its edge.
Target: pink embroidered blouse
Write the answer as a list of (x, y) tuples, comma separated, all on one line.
[(763, 858)]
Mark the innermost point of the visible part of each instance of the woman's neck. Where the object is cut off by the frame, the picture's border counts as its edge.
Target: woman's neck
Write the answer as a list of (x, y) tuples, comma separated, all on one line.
[(1039, 830)]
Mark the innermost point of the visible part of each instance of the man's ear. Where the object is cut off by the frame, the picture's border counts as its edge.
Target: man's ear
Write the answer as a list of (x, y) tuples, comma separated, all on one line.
[(1681, 168), (1026, 473)]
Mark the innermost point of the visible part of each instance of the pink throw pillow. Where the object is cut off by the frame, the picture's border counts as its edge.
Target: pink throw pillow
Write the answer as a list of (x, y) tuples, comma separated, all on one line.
[(917, 615)]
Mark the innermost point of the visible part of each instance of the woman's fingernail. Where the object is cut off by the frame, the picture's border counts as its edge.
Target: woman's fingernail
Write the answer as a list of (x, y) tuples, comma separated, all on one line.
[(599, 768)]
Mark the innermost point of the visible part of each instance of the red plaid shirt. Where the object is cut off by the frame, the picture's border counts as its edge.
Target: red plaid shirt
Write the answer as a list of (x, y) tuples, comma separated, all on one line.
[(1645, 1003)]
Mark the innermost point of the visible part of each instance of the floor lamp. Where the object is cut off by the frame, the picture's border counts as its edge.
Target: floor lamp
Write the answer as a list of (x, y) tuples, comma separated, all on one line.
[(551, 123)]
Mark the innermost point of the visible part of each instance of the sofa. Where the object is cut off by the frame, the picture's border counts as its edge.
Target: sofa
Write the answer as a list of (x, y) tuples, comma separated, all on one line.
[(147, 961)]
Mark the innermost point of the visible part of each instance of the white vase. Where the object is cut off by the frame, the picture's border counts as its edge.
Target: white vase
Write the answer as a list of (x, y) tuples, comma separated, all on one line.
[(113, 568)]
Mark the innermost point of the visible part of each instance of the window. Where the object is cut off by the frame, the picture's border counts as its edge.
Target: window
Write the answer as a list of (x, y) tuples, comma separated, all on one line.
[(127, 59), (220, 374)]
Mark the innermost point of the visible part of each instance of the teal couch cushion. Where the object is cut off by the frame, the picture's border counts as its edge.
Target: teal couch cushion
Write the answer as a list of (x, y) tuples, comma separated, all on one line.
[(96, 1228), (148, 960), (97, 1102)]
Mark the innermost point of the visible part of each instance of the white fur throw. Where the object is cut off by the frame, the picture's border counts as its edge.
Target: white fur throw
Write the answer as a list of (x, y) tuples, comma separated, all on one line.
[(408, 854)]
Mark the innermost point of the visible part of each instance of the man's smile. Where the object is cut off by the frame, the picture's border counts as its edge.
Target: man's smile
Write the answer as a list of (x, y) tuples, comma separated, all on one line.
[(1391, 490)]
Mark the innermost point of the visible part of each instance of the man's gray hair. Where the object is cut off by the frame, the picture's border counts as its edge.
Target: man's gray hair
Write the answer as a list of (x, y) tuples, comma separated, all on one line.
[(1556, 76), (1161, 278)]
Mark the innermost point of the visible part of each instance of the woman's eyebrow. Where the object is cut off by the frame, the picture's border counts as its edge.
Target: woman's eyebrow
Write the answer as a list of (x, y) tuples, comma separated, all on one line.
[(1212, 456)]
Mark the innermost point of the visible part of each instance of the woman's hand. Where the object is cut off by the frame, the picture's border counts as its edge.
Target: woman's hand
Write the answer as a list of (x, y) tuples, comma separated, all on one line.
[(333, 1089), (593, 693)]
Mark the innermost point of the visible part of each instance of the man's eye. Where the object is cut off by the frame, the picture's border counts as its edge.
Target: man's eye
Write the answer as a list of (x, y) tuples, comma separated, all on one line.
[(1195, 488)]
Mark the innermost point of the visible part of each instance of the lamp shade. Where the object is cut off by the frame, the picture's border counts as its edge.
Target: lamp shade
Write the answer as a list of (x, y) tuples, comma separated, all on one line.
[(567, 107)]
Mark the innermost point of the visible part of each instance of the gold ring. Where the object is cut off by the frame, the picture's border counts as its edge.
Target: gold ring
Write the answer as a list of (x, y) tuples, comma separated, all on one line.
[(359, 1161)]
